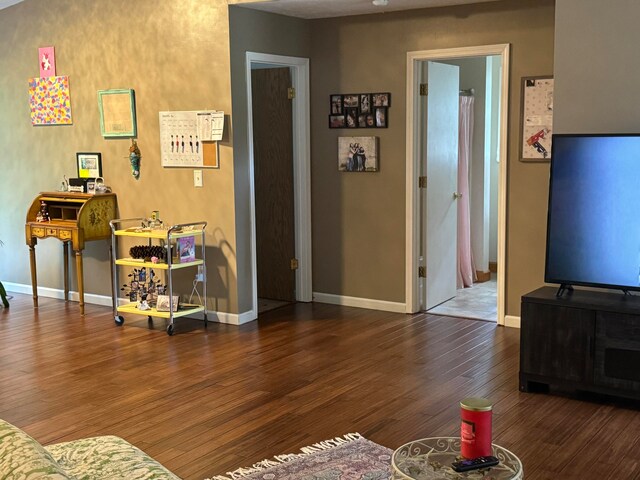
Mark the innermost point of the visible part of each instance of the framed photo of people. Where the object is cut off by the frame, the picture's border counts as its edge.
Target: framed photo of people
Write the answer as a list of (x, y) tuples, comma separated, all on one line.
[(359, 110)]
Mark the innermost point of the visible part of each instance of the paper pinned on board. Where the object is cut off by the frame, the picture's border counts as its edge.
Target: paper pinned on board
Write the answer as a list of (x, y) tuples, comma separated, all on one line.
[(210, 125)]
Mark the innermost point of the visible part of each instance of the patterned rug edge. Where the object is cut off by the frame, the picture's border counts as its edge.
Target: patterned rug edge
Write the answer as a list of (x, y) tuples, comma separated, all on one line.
[(288, 457)]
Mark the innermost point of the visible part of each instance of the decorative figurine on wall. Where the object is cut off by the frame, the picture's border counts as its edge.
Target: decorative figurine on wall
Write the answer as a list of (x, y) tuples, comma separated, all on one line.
[(134, 158)]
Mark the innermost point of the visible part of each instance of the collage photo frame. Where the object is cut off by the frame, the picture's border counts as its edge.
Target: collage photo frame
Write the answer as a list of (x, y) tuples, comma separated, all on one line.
[(359, 110)]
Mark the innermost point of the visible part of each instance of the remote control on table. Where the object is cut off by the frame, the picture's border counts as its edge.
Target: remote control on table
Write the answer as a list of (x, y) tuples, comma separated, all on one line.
[(474, 463)]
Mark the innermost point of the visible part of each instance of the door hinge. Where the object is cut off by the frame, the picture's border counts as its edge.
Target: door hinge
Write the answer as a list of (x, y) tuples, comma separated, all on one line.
[(422, 182), (424, 89), (291, 93), (422, 272), (294, 264)]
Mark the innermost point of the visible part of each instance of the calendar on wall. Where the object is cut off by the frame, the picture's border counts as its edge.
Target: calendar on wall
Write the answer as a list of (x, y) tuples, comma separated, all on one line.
[(185, 135), (537, 118)]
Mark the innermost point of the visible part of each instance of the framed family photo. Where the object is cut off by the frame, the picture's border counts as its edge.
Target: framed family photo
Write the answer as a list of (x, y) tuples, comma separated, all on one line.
[(381, 99), (358, 154), (359, 110)]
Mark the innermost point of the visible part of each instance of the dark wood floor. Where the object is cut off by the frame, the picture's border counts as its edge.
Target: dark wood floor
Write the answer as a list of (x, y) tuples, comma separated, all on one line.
[(204, 402)]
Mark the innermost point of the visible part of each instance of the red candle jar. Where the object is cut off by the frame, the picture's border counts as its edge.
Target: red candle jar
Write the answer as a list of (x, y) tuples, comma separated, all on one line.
[(475, 427)]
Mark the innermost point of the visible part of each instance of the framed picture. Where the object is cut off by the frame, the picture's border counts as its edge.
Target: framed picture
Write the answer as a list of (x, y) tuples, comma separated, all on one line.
[(336, 104), (186, 249), (358, 154), (359, 110), (365, 103), (536, 121), (89, 165), (162, 303), (381, 99), (351, 117), (336, 121), (370, 120), (351, 100), (117, 113), (381, 117)]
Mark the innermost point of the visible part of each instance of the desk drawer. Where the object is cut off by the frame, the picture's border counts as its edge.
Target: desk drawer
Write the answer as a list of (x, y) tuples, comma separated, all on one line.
[(38, 232), (64, 234), (51, 232)]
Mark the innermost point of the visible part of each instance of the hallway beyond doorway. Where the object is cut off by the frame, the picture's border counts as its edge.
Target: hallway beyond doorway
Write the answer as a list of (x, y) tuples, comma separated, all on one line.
[(478, 302)]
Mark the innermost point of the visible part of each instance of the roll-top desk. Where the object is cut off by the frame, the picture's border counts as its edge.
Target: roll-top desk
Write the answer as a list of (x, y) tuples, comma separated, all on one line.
[(74, 218)]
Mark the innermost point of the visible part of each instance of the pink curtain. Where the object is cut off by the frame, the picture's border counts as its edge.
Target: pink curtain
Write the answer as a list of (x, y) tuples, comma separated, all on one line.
[(466, 267)]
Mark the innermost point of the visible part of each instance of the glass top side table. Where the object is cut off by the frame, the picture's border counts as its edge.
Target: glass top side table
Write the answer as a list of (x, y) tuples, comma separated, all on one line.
[(430, 459)]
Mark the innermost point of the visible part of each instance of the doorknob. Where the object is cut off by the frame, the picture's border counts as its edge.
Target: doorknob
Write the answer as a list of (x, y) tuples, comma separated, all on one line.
[(457, 196)]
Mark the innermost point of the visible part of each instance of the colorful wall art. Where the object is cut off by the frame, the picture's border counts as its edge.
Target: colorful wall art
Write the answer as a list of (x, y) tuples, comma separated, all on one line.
[(50, 101)]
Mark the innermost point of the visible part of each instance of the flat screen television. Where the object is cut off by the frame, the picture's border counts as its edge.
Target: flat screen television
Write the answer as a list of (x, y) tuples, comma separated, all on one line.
[(593, 225)]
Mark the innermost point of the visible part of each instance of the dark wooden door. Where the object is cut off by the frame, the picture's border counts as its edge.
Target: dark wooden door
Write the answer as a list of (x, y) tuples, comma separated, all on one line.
[(273, 172)]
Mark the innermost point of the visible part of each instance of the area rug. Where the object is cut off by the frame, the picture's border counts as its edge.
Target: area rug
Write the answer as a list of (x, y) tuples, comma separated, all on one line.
[(351, 457)]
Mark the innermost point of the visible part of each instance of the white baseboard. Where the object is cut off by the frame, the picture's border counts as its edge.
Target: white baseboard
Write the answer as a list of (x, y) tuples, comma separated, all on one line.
[(91, 298), (359, 302), (231, 318), (511, 321), (105, 301)]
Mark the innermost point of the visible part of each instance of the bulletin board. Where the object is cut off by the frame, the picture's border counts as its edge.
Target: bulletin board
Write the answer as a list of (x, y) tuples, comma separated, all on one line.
[(536, 123), (189, 139)]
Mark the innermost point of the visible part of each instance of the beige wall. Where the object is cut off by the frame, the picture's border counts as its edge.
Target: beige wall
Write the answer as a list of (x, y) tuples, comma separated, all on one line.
[(254, 31), (596, 74), (175, 55), (359, 219)]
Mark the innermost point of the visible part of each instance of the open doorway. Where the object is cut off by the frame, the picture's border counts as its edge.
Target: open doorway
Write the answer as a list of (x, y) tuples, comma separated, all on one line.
[(271, 99), (477, 189), (276, 234), (454, 80)]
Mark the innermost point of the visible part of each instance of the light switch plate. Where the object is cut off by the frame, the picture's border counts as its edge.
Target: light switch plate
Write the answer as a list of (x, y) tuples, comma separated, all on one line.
[(197, 178)]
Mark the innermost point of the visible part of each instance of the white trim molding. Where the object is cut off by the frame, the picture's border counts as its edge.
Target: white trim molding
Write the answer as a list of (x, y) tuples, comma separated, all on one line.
[(359, 302), (229, 318), (511, 321), (414, 59), (91, 298), (301, 170), (105, 301)]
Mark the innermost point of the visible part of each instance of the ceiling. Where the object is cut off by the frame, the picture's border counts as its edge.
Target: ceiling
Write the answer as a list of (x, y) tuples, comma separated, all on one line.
[(341, 8), (8, 3), (327, 8)]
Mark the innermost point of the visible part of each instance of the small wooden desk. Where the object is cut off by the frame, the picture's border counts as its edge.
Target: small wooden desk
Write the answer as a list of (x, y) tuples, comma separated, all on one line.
[(75, 218)]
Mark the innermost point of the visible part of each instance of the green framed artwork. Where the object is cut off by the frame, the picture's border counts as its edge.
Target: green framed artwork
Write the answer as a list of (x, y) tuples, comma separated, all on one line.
[(117, 113)]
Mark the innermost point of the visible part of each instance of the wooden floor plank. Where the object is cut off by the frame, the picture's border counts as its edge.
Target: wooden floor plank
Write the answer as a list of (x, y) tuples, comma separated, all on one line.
[(207, 401)]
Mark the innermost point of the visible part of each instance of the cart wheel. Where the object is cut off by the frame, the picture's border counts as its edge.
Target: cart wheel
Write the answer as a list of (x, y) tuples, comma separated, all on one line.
[(119, 319), (170, 330)]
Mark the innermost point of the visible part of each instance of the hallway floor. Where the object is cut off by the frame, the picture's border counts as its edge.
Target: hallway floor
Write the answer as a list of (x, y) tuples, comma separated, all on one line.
[(479, 302)]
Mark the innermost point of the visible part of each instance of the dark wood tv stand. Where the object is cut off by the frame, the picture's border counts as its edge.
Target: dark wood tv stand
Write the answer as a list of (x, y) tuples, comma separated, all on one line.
[(583, 340)]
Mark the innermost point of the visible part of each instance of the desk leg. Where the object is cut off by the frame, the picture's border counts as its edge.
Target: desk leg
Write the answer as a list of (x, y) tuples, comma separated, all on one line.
[(80, 280), (65, 252), (34, 276)]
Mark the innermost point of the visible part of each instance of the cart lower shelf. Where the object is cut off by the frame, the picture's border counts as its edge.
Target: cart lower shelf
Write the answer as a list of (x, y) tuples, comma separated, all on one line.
[(185, 309)]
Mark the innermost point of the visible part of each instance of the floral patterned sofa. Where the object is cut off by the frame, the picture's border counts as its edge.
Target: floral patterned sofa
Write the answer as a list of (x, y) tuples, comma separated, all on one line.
[(109, 457)]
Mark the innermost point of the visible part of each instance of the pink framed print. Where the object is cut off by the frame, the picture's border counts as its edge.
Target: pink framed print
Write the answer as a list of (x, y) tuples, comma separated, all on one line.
[(47, 61)]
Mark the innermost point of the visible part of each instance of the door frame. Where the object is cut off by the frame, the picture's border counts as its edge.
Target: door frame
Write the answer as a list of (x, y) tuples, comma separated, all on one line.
[(412, 253), (301, 170)]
